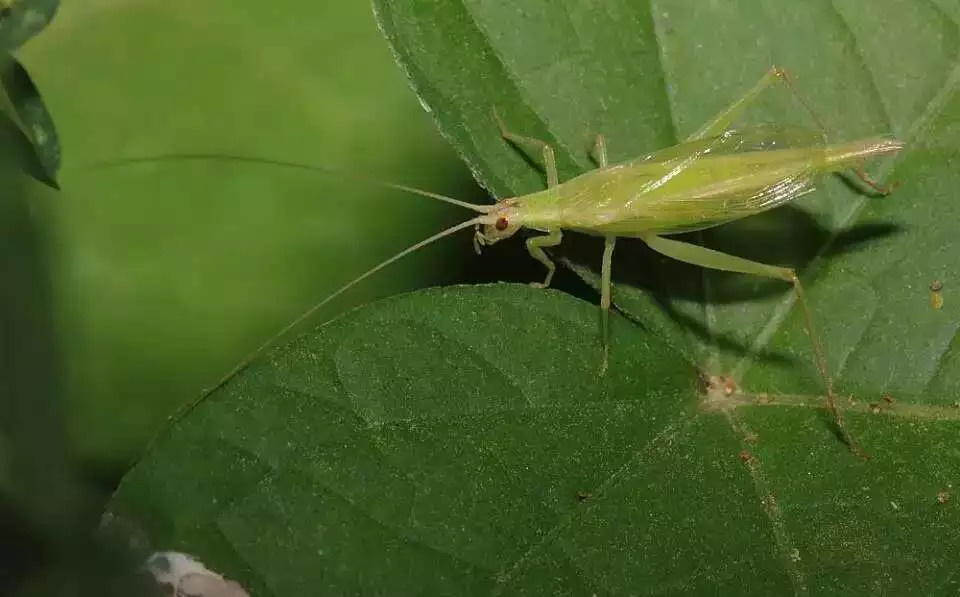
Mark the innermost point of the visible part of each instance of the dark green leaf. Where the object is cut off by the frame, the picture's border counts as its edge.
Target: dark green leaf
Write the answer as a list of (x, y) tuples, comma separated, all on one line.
[(459, 441), (22, 19), (36, 125)]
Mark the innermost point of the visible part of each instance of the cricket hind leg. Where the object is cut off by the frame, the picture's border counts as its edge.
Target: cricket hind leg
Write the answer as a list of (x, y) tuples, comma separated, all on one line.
[(725, 119), (712, 259)]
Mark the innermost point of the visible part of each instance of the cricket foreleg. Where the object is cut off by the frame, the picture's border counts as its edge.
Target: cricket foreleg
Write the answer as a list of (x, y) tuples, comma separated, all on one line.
[(535, 246), (605, 293), (711, 259), (546, 151)]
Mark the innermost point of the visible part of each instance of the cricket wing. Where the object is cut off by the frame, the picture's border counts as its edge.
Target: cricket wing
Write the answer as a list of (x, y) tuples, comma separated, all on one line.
[(719, 203), (707, 182), (735, 141)]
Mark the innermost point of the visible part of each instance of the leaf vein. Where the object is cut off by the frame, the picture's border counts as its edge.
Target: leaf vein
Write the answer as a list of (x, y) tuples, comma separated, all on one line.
[(663, 438), (773, 514)]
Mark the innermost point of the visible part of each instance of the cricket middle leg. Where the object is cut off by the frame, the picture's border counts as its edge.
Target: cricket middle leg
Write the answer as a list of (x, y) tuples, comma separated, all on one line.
[(605, 291)]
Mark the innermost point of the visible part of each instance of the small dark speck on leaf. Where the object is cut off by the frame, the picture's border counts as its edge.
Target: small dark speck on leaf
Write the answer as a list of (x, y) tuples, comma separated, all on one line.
[(936, 299), (885, 401)]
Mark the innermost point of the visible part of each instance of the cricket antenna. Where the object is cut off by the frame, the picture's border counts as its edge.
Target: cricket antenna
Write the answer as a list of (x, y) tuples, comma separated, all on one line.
[(309, 312), (345, 174)]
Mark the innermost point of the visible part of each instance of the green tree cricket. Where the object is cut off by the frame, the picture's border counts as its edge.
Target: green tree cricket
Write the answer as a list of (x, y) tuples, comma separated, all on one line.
[(717, 175)]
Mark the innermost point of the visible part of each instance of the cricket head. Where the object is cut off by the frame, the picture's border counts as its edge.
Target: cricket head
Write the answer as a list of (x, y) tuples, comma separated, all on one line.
[(501, 222)]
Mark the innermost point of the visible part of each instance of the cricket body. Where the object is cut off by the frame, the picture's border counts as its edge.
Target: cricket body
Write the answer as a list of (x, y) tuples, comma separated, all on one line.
[(717, 175)]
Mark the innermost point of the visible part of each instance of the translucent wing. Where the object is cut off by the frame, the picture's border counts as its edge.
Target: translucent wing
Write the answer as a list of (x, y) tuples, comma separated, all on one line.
[(753, 138), (701, 183)]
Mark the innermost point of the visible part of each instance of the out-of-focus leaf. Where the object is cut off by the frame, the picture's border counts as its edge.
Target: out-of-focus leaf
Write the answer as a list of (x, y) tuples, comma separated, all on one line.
[(22, 19), (35, 123), (169, 272)]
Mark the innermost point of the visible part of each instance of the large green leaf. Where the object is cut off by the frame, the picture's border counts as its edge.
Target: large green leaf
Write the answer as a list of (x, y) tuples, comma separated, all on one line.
[(460, 441)]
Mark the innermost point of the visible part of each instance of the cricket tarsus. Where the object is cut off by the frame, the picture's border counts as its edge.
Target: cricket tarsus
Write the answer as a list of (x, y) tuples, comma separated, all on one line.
[(870, 182)]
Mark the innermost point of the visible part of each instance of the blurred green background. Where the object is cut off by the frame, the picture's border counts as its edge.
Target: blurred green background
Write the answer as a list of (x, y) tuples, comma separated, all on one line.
[(168, 273)]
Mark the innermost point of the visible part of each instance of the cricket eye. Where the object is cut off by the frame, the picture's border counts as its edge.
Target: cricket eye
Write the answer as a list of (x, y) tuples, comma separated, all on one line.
[(501, 224)]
